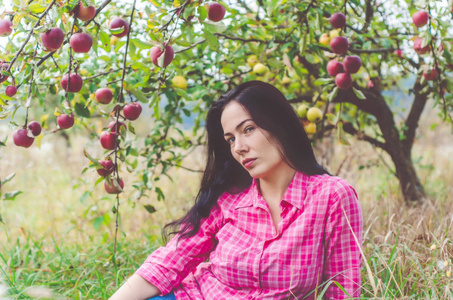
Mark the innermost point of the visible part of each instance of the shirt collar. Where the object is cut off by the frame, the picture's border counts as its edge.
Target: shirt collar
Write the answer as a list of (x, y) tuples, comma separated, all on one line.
[(294, 195)]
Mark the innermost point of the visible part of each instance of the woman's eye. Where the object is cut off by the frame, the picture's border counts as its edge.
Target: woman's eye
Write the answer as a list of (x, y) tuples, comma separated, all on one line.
[(230, 140), (249, 129)]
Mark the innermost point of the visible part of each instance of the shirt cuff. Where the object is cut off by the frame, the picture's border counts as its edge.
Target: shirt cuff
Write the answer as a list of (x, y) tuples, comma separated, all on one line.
[(156, 276)]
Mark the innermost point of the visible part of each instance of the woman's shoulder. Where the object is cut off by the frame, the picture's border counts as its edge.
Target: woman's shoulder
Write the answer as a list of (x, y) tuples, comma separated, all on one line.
[(333, 186)]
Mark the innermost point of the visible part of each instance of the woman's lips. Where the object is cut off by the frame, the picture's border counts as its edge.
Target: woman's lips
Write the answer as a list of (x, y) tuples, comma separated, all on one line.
[(248, 163)]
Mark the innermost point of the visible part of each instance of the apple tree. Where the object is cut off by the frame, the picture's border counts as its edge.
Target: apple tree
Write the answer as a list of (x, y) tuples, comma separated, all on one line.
[(79, 62)]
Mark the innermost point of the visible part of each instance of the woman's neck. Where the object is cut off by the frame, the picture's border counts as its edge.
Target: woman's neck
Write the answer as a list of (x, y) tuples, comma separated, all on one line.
[(274, 187)]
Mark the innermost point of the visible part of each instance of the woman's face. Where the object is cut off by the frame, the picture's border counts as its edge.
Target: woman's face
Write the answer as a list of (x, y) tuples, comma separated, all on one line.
[(250, 144)]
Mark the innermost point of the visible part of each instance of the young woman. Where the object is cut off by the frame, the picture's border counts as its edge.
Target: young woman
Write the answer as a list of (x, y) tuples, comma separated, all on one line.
[(268, 223)]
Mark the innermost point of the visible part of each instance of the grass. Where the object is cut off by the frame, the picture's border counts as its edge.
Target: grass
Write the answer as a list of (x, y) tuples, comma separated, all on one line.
[(57, 241)]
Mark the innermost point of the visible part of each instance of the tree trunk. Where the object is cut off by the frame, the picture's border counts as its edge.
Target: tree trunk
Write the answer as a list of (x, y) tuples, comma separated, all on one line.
[(398, 149)]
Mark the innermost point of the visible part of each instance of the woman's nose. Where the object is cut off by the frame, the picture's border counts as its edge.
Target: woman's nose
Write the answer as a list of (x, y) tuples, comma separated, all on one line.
[(240, 145)]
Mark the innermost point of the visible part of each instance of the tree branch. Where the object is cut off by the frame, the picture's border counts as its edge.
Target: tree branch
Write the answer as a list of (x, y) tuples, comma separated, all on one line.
[(30, 33), (349, 128), (414, 116)]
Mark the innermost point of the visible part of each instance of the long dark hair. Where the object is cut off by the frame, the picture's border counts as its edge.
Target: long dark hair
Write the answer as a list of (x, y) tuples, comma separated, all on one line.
[(271, 111)]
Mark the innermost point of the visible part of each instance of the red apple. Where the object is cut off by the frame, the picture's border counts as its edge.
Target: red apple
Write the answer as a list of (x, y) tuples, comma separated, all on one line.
[(108, 140), (75, 84), (81, 42), (216, 12), (3, 67), (339, 44), (420, 18), (10, 90), (35, 128), (161, 56), (83, 13), (343, 81), (21, 138), (370, 84), (430, 74), (65, 121), (113, 188), (352, 64), (116, 126), (334, 67), (338, 20), (117, 23), (418, 46), (104, 95), (5, 27), (399, 53), (52, 39), (132, 111), (107, 167), (86, 13)]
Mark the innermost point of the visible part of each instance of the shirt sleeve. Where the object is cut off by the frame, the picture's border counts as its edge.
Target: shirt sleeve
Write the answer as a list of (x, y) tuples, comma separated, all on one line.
[(343, 243), (167, 266)]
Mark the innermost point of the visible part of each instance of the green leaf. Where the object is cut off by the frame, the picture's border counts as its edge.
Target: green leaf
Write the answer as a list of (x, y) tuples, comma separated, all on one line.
[(103, 36), (7, 179), (97, 222), (117, 30), (333, 94), (11, 195), (359, 94), (36, 8), (149, 208), (341, 134), (82, 110), (303, 43), (214, 27), (142, 44), (202, 13), (84, 196), (323, 81), (92, 159), (139, 95), (212, 40)]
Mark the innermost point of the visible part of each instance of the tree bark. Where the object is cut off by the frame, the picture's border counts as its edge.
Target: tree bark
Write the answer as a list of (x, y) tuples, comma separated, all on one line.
[(398, 149)]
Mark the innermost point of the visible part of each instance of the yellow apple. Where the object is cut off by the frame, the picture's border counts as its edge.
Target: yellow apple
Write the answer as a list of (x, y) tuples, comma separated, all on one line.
[(314, 114), (113, 40), (302, 110), (260, 69), (252, 60), (325, 39), (310, 128), (179, 82), (334, 33), (286, 80)]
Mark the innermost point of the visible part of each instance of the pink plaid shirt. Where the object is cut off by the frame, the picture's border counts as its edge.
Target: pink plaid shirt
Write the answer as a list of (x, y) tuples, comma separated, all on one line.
[(249, 259)]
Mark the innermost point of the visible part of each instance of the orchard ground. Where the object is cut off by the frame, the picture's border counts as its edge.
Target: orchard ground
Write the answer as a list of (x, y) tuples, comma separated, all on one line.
[(57, 240)]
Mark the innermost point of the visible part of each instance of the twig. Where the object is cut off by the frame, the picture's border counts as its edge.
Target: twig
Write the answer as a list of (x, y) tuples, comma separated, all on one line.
[(117, 115), (30, 33), (120, 95)]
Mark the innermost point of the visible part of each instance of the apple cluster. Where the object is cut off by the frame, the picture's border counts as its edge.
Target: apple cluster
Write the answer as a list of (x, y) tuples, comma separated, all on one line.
[(342, 70), (339, 44), (310, 116), (420, 18), (24, 137)]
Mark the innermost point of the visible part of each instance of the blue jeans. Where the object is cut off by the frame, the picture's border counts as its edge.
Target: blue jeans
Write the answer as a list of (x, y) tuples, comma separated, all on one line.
[(170, 296)]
